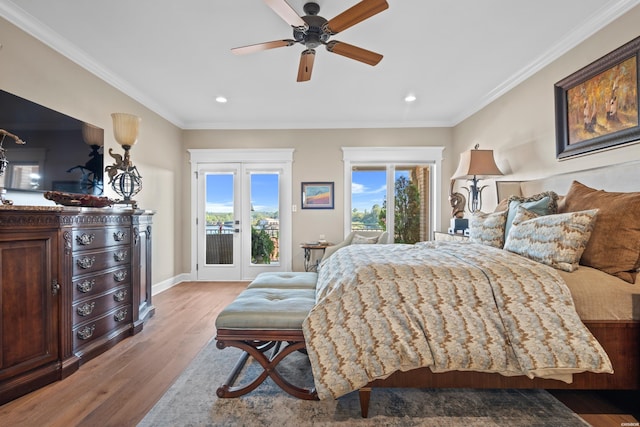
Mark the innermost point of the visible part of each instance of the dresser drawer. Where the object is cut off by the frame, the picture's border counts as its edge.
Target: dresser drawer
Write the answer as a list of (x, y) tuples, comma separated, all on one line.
[(87, 286), (88, 262), (96, 238), (87, 309), (86, 332)]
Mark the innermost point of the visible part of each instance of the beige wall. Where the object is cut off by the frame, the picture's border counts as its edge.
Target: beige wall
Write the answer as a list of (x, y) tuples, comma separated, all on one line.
[(520, 126), (33, 71), (317, 157)]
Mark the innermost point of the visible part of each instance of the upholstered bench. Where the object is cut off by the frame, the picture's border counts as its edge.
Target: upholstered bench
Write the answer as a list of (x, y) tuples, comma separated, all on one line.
[(285, 280), (265, 321)]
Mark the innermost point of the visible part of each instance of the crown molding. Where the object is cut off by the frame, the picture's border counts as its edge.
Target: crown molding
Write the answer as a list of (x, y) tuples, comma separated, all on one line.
[(600, 19), (45, 34)]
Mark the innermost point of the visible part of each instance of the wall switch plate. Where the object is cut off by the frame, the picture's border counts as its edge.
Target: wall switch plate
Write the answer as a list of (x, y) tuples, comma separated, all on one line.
[(294, 208)]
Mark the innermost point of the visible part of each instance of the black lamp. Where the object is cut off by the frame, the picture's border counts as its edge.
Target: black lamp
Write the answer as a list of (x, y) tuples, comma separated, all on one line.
[(91, 181)]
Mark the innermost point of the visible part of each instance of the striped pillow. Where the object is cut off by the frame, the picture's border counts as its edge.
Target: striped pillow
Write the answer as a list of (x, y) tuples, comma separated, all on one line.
[(556, 240)]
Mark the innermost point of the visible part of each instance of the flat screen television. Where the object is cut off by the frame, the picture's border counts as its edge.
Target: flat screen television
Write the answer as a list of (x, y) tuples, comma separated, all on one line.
[(61, 153)]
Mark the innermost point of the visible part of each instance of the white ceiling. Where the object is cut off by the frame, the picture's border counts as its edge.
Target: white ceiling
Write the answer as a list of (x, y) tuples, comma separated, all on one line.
[(174, 57)]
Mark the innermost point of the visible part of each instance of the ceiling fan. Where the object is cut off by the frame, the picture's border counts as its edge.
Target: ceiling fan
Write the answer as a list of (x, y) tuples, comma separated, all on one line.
[(313, 30)]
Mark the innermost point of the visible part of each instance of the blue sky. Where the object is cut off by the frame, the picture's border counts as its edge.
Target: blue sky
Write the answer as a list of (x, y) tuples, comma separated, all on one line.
[(367, 188), (264, 192)]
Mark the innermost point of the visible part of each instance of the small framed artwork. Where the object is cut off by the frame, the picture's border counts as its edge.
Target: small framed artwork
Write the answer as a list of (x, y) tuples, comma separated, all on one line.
[(597, 106), (317, 195)]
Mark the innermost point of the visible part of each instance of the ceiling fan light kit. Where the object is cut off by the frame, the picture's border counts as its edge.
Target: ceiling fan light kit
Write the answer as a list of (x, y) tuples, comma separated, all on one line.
[(313, 31)]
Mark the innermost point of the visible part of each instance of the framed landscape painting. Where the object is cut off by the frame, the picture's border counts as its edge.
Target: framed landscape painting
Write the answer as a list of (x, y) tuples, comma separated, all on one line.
[(317, 195), (597, 106)]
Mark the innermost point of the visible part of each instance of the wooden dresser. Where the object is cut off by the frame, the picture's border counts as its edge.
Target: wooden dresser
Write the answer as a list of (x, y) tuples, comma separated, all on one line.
[(73, 283)]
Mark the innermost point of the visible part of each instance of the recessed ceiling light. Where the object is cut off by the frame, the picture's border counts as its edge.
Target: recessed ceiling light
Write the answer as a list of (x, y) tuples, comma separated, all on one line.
[(221, 99), (410, 98)]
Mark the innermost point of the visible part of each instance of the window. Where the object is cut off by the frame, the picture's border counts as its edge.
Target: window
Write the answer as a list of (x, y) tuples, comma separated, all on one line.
[(386, 189)]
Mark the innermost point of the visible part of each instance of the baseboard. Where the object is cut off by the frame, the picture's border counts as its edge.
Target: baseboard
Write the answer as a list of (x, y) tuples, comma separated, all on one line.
[(169, 283)]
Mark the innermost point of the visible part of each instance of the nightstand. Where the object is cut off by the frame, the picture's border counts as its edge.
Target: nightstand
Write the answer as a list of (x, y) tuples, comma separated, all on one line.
[(446, 237), (311, 263)]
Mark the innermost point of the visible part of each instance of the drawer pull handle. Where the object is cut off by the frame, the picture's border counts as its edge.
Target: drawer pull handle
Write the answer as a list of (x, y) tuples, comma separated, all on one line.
[(55, 287), (86, 332), (119, 276), (86, 286), (120, 295), (120, 315), (86, 262), (85, 239), (119, 236), (120, 256), (86, 309)]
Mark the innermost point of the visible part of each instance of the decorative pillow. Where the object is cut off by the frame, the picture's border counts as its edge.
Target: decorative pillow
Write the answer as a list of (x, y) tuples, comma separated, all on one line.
[(488, 228), (542, 204), (364, 240), (614, 246), (502, 206), (556, 240)]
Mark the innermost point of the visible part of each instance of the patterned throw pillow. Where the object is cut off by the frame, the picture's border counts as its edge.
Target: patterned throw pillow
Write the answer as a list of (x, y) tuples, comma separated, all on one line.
[(542, 204), (488, 228), (556, 240), (364, 240)]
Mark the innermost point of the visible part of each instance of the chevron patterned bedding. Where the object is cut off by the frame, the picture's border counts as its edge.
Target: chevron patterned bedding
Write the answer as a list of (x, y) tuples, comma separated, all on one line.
[(443, 305)]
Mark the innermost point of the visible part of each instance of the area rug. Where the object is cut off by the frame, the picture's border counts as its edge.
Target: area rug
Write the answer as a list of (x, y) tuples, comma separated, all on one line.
[(192, 401)]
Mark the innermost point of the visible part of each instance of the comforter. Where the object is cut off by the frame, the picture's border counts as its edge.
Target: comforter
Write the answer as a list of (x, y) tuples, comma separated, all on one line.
[(446, 306)]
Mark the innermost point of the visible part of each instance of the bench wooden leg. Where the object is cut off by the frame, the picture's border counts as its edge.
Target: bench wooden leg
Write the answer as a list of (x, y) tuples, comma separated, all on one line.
[(364, 394), (258, 350)]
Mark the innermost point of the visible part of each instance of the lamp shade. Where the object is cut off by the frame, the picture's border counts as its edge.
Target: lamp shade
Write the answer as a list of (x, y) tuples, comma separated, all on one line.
[(92, 135), (476, 163), (125, 128)]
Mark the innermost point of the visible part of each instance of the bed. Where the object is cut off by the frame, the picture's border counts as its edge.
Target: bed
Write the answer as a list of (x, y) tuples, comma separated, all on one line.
[(603, 323)]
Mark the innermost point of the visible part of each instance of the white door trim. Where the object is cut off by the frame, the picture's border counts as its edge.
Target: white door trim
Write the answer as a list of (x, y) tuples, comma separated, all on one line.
[(394, 155), (198, 157)]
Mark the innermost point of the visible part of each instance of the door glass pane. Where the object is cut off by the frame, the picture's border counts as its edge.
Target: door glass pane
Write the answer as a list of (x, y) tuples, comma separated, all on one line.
[(220, 217), (411, 187), (368, 190), (265, 218)]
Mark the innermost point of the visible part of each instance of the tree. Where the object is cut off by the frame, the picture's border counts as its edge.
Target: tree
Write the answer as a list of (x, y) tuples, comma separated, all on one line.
[(407, 212), (261, 246)]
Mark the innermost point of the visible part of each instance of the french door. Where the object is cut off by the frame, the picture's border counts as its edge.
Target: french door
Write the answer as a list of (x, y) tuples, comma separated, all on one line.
[(240, 229)]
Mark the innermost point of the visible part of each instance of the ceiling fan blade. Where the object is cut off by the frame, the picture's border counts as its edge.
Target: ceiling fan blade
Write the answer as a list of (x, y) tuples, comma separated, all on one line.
[(358, 13), (286, 12), (354, 52), (306, 65), (262, 46)]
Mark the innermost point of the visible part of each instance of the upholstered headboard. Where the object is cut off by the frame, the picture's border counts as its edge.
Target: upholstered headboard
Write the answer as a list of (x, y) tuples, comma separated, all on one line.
[(621, 177)]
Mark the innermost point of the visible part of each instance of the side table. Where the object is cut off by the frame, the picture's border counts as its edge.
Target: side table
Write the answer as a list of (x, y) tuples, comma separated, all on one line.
[(447, 237), (311, 262)]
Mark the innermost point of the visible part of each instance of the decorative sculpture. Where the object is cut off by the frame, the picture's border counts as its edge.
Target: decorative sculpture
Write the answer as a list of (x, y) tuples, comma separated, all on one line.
[(458, 202), (4, 161)]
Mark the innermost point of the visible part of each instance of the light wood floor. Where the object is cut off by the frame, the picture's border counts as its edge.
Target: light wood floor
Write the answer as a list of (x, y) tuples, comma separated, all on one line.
[(120, 386)]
